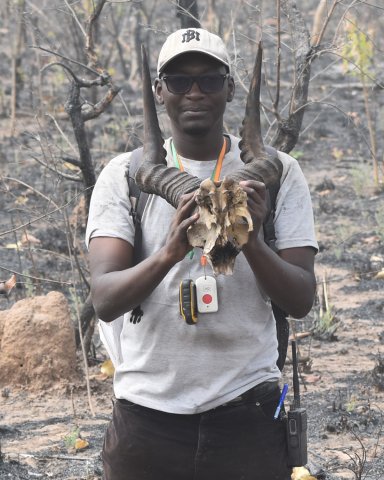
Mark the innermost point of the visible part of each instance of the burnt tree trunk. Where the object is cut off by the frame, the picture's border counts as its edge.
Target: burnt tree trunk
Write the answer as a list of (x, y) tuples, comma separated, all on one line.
[(73, 108), (188, 13)]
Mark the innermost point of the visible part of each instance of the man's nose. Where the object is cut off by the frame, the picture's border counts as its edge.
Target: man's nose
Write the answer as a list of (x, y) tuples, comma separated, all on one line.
[(195, 89)]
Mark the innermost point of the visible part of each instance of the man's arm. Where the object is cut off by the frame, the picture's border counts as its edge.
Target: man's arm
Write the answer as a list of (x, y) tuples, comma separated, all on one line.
[(288, 277), (117, 286)]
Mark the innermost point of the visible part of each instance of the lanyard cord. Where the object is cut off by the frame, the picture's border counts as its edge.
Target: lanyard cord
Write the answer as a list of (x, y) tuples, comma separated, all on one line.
[(219, 162)]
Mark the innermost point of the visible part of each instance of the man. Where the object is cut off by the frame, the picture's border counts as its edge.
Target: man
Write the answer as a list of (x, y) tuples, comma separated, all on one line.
[(196, 402)]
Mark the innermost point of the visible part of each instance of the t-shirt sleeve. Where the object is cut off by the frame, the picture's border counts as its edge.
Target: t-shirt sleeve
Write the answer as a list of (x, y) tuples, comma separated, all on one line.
[(294, 222), (109, 212)]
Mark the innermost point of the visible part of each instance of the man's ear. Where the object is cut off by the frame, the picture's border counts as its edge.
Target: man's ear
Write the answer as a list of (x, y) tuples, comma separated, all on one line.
[(231, 89), (158, 91)]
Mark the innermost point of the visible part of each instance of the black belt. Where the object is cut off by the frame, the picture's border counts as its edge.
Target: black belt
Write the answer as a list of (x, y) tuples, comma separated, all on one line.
[(257, 394)]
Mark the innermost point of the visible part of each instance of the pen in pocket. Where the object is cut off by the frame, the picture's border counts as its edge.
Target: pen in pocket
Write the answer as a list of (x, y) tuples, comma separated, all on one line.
[(281, 400)]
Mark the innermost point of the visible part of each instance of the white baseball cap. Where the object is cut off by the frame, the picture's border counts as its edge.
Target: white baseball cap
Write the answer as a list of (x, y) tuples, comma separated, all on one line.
[(192, 40)]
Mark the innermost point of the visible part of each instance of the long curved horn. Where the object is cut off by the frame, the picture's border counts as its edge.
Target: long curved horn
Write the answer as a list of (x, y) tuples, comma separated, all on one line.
[(259, 165), (153, 175)]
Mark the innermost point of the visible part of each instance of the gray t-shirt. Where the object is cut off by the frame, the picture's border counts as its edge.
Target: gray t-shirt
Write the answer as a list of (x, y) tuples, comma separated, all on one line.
[(162, 362)]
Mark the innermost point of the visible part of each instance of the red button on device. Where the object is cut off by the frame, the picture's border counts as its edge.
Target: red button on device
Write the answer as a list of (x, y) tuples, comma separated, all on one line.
[(207, 298)]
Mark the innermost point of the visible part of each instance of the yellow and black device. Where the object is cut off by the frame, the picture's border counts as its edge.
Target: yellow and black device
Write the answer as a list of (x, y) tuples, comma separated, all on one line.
[(188, 301)]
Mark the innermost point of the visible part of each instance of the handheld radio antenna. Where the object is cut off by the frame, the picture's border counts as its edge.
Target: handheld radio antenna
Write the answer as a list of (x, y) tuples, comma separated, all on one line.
[(296, 385)]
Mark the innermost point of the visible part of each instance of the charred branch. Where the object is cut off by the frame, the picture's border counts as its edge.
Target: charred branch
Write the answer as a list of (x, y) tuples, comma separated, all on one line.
[(90, 44), (101, 106), (72, 178), (70, 60), (80, 81), (73, 161)]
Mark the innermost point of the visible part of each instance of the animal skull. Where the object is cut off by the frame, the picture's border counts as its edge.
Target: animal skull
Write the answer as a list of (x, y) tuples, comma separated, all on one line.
[(223, 225)]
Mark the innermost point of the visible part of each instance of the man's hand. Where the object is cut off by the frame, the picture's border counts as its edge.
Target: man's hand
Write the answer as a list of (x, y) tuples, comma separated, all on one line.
[(257, 205), (177, 245)]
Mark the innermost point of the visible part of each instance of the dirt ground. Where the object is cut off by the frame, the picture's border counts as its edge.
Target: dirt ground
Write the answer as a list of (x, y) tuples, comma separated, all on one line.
[(341, 367)]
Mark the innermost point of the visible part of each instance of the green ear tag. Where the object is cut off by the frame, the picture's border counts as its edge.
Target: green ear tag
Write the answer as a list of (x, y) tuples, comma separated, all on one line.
[(191, 254)]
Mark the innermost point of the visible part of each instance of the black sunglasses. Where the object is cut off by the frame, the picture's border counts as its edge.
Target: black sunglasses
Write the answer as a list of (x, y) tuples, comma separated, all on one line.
[(181, 84)]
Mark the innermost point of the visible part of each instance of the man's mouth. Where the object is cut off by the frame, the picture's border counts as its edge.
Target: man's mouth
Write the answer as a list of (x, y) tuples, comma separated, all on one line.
[(195, 109)]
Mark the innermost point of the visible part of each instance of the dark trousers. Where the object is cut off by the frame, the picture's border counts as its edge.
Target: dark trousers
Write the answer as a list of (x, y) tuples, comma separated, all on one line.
[(237, 441)]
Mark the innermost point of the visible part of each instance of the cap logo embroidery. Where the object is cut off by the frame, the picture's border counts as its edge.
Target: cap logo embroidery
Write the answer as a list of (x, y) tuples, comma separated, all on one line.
[(190, 35)]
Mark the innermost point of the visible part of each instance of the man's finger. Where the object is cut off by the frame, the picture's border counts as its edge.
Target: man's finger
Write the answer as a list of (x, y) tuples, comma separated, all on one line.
[(252, 187)]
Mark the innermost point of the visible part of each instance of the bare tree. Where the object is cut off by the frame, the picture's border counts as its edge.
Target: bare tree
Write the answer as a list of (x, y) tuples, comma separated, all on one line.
[(79, 111)]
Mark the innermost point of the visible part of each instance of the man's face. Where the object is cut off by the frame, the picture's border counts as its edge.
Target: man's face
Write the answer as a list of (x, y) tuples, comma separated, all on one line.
[(195, 112)]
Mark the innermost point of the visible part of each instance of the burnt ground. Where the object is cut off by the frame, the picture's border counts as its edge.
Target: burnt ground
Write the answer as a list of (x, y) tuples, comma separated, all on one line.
[(342, 358)]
